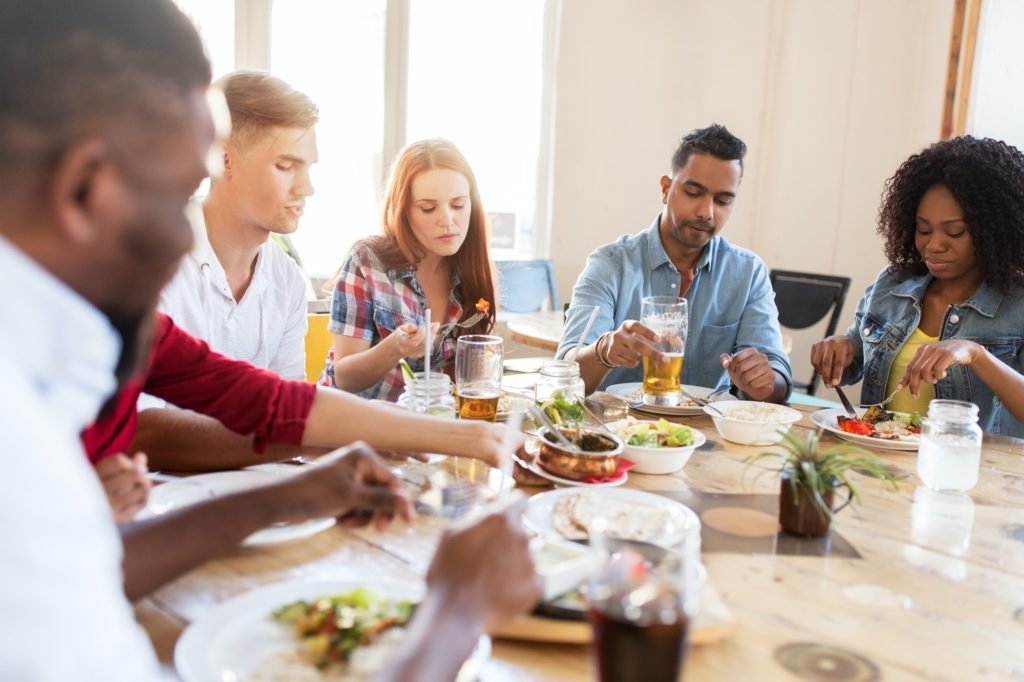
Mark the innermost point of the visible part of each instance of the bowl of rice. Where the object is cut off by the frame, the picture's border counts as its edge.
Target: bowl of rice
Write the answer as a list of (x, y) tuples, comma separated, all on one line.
[(749, 422)]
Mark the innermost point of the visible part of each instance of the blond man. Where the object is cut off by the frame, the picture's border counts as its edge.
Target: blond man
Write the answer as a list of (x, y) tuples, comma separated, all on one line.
[(236, 290)]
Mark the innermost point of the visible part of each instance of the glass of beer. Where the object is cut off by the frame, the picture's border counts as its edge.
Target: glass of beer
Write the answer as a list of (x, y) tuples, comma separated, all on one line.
[(478, 367), (640, 606), (667, 317)]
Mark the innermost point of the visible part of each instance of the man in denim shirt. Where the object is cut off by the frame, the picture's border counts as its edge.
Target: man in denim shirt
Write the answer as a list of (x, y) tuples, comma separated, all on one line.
[(734, 332)]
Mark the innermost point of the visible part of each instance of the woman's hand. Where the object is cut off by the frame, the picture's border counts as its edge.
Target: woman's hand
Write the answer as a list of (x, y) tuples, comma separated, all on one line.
[(408, 340), (830, 357), (932, 361)]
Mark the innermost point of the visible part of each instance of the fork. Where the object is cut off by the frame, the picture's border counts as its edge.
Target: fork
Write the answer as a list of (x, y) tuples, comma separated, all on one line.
[(886, 401), (464, 324)]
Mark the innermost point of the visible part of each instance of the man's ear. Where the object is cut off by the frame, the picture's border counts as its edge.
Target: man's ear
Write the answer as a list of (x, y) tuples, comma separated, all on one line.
[(83, 178), (229, 156), (666, 185)]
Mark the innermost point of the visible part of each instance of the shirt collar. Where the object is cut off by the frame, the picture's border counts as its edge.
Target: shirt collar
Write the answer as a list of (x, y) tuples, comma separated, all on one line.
[(659, 256), (35, 331), (986, 300), (208, 263), (408, 273)]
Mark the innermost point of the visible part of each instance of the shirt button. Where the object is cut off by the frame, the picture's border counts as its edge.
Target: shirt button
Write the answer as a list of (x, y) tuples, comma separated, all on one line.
[(954, 319), (673, 285)]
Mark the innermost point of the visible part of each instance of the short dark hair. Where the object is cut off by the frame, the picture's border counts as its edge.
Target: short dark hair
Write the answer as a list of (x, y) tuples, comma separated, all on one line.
[(715, 140), (110, 68), (986, 177)]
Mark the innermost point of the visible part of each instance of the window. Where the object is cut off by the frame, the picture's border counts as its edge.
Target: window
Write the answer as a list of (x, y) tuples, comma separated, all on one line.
[(215, 20), (334, 52), (475, 78)]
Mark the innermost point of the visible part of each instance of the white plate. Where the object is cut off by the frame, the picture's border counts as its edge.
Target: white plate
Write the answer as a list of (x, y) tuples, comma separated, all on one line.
[(683, 522), (236, 637), (167, 497), (532, 445), (631, 393), (826, 419)]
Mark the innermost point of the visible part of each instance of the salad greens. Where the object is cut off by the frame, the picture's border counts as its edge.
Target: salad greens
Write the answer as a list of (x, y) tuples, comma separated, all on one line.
[(563, 410), (664, 434), (332, 627)]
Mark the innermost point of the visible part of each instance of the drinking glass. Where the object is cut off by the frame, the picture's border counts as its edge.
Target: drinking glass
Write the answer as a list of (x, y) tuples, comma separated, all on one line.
[(640, 605), (478, 367), (667, 317)]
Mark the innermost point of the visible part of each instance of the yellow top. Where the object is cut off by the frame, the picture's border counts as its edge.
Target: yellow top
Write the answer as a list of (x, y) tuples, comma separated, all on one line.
[(904, 402)]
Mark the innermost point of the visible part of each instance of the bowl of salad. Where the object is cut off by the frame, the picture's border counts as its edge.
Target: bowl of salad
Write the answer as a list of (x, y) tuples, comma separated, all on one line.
[(657, 447)]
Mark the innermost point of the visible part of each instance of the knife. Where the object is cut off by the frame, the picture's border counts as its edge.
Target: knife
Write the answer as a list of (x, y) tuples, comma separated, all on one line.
[(846, 402)]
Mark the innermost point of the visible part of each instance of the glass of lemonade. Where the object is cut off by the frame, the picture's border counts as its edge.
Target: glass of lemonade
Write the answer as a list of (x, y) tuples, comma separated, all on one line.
[(667, 317), (478, 368)]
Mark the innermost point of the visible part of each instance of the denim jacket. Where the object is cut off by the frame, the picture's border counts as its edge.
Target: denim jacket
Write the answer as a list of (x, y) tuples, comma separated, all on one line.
[(890, 311), (731, 304)]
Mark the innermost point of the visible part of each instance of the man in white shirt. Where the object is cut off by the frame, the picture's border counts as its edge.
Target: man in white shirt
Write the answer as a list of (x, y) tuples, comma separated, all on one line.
[(95, 171), (237, 290)]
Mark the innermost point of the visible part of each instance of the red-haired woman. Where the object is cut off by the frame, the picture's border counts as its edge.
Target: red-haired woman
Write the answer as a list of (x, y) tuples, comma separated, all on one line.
[(433, 253)]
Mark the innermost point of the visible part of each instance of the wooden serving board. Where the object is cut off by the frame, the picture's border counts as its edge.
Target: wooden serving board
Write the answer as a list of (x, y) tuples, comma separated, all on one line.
[(713, 623)]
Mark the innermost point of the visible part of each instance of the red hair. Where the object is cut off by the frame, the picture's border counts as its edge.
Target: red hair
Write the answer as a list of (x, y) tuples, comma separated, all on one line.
[(398, 245)]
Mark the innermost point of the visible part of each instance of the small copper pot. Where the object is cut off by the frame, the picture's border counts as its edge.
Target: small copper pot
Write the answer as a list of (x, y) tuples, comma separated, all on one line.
[(579, 465), (800, 514)]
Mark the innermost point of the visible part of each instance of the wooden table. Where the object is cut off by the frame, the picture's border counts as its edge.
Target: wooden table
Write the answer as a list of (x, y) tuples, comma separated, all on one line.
[(537, 330), (936, 593)]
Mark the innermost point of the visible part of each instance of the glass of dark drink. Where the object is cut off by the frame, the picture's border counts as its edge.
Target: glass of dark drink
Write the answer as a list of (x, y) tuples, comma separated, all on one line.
[(640, 605)]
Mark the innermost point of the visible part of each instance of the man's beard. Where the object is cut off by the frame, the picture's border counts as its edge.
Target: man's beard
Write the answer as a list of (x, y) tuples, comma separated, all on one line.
[(136, 332)]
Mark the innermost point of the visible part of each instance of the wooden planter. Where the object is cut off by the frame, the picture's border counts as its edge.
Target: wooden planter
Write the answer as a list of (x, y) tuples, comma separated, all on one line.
[(801, 515)]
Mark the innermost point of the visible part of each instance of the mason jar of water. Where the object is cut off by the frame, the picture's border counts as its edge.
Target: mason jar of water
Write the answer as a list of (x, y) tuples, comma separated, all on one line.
[(432, 397), (949, 456)]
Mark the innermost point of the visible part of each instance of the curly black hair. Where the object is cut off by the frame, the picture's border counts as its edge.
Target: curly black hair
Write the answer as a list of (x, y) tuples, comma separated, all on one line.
[(986, 177), (715, 140)]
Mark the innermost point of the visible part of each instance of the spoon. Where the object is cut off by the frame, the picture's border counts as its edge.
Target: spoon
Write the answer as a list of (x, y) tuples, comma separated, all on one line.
[(539, 415)]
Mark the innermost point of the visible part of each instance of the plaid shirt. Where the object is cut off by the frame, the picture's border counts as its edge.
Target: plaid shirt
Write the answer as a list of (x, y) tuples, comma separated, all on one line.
[(370, 301)]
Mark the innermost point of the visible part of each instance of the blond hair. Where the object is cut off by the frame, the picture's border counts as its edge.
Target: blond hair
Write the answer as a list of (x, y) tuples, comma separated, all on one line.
[(258, 101)]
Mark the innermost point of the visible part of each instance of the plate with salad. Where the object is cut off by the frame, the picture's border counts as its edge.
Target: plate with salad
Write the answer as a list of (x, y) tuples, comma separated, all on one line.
[(300, 630), (873, 427), (657, 447)]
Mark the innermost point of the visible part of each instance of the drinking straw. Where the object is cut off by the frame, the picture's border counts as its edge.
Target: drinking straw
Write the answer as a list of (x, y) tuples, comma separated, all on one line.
[(426, 344), (583, 336)]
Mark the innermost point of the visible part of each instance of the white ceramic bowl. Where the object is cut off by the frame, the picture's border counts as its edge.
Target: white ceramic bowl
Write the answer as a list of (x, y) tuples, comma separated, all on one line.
[(657, 460), (749, 432)]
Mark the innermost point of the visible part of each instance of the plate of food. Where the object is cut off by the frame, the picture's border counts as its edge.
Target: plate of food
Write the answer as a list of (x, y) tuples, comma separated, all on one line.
[(305, 632), (873, 427), (630, 515), (185, 491), (633, 394)]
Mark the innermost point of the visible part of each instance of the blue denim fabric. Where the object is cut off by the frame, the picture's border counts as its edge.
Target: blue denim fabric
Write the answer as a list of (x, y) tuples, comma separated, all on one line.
[(890, 311), (731, 304)]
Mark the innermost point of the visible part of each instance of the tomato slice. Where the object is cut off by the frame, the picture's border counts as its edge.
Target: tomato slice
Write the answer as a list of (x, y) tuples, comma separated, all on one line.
[(857, 427)]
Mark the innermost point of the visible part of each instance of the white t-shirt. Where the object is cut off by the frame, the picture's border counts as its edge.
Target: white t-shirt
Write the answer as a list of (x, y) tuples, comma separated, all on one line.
[(63, 612), (267, 327)]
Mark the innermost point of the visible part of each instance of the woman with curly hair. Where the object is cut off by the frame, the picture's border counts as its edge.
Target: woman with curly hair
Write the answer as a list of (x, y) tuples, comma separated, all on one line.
[(945, 319)]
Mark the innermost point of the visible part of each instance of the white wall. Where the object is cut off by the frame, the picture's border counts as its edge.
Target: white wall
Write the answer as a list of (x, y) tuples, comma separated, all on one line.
[(997, 92), (829, 96)]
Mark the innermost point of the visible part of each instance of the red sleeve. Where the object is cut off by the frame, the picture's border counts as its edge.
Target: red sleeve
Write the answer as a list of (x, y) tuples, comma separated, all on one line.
[(248, 400)]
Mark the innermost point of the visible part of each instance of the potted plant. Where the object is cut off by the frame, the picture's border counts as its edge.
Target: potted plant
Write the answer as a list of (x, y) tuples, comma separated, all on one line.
[(809, 477)]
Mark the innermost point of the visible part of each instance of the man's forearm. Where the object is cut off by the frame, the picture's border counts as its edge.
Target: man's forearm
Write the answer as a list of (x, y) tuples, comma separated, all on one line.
[(180, 440), (338, 418), (158, 550)]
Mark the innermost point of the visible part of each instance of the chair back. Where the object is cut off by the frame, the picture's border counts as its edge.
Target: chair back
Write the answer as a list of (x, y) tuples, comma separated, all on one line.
[(525, 285), (318, 342), (804, 299)]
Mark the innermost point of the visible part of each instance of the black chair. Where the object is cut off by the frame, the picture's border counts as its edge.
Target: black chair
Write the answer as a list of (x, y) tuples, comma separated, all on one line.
[(804, 299)]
